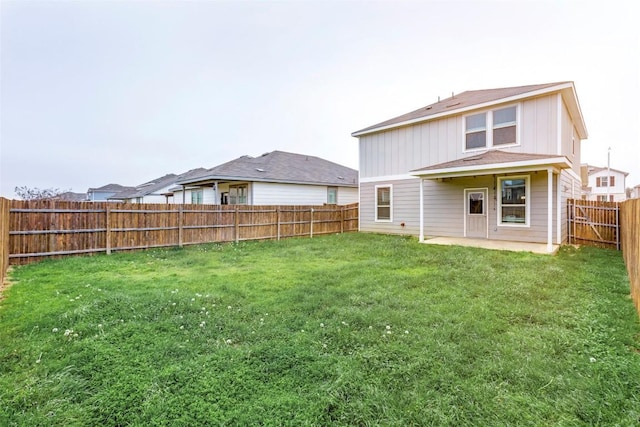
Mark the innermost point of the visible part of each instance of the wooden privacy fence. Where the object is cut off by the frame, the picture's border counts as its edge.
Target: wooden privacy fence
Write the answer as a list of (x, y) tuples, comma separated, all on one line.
[(4, 237), (46, 228), (594, 223), (630, 219)]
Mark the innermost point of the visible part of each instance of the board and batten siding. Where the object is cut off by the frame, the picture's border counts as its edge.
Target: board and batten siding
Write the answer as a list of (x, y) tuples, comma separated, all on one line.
[(267, 193), (405, 207), (397, 151)]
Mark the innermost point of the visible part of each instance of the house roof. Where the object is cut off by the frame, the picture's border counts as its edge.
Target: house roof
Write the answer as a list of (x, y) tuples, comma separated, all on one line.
[(596, 169), (477, 99), (109, 188), (491, 162), (70, 196), (146, 188), (279, 166)]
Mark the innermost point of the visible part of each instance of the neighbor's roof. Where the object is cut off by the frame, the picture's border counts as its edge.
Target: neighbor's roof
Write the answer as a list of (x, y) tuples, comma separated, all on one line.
[(280, 166), (477, 99), (146, 188), (70, 196), (110, 188), (494, 161)]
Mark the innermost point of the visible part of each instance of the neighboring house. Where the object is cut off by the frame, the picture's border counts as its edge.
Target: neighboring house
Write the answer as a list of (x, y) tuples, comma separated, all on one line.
[(69, 196), (490, 164), (603, 184), (149, 192), (635, 192), (102, 194), (170, 196), (275, 178)]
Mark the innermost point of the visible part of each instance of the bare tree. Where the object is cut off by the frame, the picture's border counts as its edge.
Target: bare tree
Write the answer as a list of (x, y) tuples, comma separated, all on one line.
[(35, 193)]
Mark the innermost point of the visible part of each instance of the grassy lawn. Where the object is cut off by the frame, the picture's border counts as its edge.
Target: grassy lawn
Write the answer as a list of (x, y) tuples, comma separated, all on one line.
[(352, 329)]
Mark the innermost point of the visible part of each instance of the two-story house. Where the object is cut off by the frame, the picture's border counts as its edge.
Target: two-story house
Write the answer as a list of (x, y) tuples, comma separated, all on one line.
[(603, 184), (490, 164)]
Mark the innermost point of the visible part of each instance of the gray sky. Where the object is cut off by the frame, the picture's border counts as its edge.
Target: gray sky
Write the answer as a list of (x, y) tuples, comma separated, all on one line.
[(99, 92)]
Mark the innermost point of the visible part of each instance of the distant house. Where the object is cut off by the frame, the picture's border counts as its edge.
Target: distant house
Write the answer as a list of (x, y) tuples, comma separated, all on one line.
[(496, 164), (603, 184), (149, 192), (635, 192), (70, 196), (102, 194), (275, 178)]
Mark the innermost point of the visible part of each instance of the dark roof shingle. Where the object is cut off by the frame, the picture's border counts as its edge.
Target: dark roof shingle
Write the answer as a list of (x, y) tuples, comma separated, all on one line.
[(465, 99), (280, 166)]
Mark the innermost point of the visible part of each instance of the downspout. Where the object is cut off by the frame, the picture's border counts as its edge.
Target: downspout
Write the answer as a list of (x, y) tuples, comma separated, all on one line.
[(549, 210), (559, 195), (421, 237)]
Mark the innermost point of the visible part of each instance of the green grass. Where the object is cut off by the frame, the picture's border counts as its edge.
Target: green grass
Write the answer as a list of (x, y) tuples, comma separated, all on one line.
[(354, 329)]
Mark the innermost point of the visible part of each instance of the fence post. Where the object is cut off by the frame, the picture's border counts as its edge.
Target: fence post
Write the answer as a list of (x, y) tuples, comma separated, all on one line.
[(237, 224), (618, 225), (5, 205), (180, 224), (278, 220), (311, 225), (341, 219), (108, 227)]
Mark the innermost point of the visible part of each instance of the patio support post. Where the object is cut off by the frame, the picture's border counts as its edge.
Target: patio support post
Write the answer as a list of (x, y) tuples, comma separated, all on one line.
[(421, 237), (550, 210)]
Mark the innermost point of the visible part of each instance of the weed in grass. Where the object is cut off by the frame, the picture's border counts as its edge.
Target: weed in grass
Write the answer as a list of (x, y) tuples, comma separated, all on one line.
[(352, 329)]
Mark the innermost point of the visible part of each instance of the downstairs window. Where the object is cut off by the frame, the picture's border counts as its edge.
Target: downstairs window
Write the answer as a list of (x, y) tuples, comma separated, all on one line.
[(383, 203), (513, 204)]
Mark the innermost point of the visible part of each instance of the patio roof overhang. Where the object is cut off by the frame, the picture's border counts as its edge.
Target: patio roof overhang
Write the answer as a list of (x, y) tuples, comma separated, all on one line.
[(493, 163)]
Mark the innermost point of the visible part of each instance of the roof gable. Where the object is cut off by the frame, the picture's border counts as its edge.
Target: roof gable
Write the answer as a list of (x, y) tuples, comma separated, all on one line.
[(279, 166), (109, 188), (146, 188), (476, 99)]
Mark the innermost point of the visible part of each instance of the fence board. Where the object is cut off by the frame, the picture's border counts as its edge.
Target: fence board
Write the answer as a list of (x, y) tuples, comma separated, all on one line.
[(5, 205), (47, 228), (594, 223), (630, 224)]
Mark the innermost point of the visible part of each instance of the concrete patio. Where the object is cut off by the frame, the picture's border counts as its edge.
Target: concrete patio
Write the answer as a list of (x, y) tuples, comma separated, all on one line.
[(501, 245)]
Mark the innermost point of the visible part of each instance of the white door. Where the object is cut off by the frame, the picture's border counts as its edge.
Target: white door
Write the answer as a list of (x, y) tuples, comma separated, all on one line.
[(476, 213)]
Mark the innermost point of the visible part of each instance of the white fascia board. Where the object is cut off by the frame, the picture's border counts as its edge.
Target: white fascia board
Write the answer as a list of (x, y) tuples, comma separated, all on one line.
[(386, 178), (211, 179), (470, 108), (556, 163)]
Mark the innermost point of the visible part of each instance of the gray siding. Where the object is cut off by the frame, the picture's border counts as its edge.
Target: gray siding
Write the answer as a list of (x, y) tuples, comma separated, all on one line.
[(405, 208), (444, 209), (397, 151)]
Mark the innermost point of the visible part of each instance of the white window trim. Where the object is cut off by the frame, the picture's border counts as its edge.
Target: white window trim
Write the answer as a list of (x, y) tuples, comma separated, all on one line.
[(329, 189), (527, 205), (375, 198), (489, 129)]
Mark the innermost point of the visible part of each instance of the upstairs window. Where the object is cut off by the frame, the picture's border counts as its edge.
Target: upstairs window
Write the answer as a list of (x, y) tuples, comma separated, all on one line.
[(604, 181), (476, 131), (502, 124)]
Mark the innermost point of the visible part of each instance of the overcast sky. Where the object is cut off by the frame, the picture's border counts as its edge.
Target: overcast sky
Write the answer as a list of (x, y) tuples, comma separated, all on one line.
[(99, 92)]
